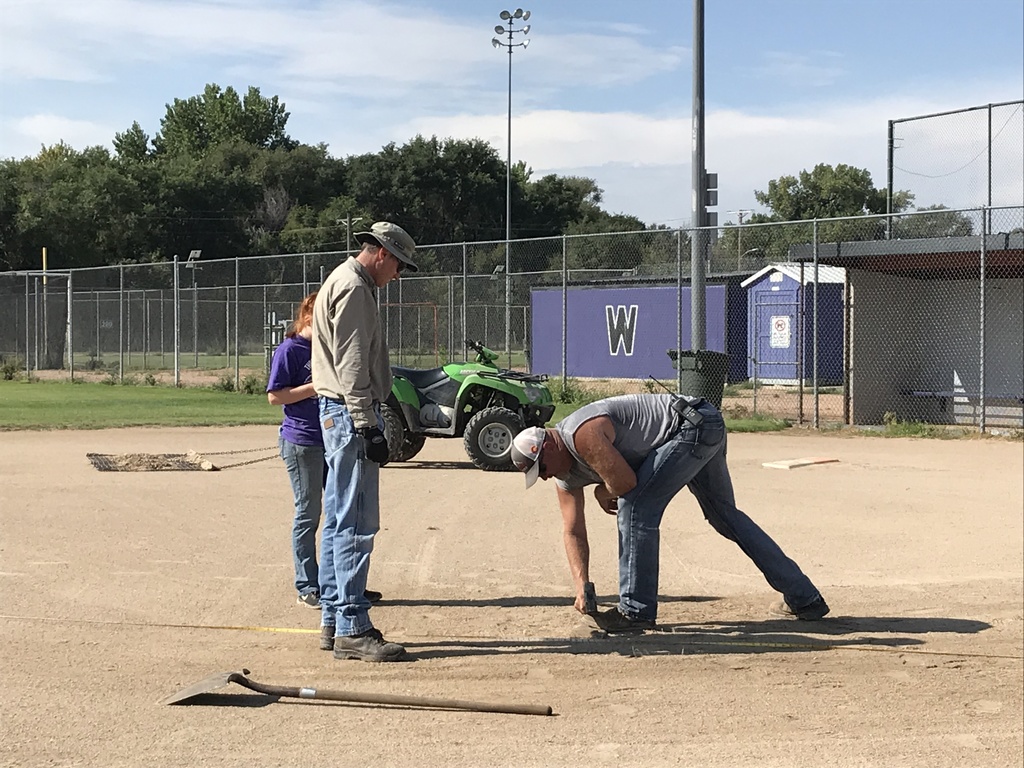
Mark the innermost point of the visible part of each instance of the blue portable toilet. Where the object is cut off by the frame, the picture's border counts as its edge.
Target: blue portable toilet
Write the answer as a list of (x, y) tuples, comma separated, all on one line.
[(780, 324)]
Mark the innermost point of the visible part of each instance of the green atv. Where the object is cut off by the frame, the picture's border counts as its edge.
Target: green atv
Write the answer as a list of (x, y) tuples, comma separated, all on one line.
[(484, 405)]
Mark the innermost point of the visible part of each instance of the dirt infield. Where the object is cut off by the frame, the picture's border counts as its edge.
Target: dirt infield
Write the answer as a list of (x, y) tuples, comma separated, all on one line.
[(117, 589)]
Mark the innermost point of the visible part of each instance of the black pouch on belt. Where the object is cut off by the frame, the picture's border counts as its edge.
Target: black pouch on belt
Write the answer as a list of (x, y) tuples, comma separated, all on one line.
[(687, 411)]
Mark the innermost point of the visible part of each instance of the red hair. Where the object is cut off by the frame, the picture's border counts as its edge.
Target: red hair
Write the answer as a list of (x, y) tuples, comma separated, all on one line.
[(303, 317)]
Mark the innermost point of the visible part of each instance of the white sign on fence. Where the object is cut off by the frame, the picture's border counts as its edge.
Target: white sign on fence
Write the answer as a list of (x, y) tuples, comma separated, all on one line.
[(780, 332)]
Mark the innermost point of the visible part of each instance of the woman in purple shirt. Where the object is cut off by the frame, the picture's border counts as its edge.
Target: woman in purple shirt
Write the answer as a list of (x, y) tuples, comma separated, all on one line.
[(301, 445)]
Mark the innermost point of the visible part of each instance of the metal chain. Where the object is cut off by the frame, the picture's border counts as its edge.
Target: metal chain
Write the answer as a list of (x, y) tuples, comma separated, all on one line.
[(250, 461), (246, 450)]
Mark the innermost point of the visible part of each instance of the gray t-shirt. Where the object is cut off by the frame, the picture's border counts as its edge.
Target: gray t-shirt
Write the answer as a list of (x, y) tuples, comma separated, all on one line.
[(642, 424)]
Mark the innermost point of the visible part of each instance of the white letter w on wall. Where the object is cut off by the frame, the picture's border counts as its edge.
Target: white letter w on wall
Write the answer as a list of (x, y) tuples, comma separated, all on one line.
[(621, 328)]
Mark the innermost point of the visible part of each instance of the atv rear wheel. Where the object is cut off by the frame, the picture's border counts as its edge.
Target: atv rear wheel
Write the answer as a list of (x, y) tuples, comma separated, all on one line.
[(488, 438)]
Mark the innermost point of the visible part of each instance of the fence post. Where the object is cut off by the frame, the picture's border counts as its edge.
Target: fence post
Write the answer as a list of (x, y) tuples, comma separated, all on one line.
[(99, 355), (120, 324), (145, 330), (982, 257), (799, 311), (565, 313), (451, 315), (237, 355), (71, 328), (128, 326), (814, 320), (679, 309), (847, 352), (35, 325), (465, 287), (176, 296), (28, 357)]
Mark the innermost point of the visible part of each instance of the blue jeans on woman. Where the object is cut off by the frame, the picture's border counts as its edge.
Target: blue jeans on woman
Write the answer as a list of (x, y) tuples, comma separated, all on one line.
[(694, 457), (351, 520), (305, 465)]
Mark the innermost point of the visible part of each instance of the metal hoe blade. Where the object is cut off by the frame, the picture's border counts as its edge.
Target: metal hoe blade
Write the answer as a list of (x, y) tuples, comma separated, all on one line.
[(206, 685)]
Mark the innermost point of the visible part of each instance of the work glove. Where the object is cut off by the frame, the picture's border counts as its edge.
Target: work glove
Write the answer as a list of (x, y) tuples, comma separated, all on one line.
[(376, 445)]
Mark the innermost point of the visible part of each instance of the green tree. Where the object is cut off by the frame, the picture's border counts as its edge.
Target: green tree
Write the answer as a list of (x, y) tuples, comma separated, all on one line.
[(933, 221), (825, 192), (444, 190), (197, 124), (132, 145)]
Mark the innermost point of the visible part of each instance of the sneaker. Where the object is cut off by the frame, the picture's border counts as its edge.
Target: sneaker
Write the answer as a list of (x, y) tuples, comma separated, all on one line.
[(816, 609), (312, 599), (613, 620), (372, 596), (369, 646), (327, 638)]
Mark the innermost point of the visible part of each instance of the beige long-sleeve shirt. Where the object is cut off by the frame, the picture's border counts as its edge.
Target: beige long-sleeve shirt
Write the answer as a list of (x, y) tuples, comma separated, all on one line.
[(350, 355)]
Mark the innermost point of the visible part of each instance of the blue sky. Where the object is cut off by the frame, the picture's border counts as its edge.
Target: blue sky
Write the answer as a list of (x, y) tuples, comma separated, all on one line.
[(604, 90)]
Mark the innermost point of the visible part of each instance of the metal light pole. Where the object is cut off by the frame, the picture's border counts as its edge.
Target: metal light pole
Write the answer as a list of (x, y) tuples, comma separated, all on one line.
[(510, 17), (698, 248)]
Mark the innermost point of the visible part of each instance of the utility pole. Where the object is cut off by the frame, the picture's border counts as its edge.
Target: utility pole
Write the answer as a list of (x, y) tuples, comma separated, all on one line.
[(739, 237)]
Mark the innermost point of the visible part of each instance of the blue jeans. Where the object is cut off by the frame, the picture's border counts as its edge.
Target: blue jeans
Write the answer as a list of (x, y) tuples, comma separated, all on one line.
[(305, 465), (694, 457), (351, 519)]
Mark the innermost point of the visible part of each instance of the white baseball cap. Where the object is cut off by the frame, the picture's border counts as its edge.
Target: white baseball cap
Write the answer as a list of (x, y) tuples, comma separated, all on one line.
[(525, 452)]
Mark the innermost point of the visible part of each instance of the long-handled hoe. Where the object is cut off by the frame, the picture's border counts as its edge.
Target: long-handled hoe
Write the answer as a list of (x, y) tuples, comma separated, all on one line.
[(212, 683)]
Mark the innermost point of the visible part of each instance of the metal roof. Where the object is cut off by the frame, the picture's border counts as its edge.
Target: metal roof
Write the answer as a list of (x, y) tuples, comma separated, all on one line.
[(826, 273)]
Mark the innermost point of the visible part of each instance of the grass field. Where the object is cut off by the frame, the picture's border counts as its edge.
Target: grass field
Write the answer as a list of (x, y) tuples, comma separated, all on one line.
[(89, 405), (61, 405)]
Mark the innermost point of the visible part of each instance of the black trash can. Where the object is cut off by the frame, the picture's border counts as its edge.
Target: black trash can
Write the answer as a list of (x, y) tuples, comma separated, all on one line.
[(702, 373)]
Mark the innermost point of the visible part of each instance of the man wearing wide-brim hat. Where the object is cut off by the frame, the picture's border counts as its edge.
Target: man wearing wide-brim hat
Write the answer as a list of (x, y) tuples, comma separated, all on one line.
[(352, 376)]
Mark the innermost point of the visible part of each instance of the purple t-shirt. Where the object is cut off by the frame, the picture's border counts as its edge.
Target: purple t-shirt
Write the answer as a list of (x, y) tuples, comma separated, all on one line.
[(291, 368)]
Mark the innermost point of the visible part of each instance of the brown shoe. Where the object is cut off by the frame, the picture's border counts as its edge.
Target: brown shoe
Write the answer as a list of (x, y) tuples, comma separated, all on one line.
[(613, 620), (327, 638), (816, 609), (369, 646)]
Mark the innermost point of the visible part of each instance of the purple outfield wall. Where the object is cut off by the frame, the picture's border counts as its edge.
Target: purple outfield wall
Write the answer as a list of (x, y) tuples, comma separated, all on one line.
[(619, 333)]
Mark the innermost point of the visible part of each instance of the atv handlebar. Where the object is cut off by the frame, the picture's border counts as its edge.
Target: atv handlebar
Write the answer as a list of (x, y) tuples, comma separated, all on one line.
[(483, 354)]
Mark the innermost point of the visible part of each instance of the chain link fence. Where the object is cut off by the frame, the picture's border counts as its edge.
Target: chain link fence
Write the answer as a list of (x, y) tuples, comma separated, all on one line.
[(966, 157), (912, 317)]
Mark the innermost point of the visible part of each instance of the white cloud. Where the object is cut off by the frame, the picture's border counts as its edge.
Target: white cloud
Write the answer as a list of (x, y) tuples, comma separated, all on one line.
[(439, 76), (805, 70), (27, 135)]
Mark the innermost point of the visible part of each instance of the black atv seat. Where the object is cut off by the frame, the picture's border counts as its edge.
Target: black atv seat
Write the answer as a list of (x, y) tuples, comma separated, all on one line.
[(420, 378)]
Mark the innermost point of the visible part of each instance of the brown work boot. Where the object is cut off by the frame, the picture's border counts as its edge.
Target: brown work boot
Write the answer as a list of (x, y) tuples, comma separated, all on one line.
[(327, 638), (369, 646), (613, 620), (816, 609)]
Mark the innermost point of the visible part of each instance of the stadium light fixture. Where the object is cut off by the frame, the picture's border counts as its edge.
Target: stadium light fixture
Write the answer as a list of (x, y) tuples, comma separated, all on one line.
[(510, 17)]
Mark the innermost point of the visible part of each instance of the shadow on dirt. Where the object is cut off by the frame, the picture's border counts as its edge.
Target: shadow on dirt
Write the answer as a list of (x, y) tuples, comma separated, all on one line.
[(228, 700), (844, 625), (431, 465), (770, 636)]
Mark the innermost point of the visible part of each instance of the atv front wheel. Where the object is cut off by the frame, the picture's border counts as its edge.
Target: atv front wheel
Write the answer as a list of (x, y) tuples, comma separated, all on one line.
[(394, 431), (412, 445), (488, 438), (402, 444)]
